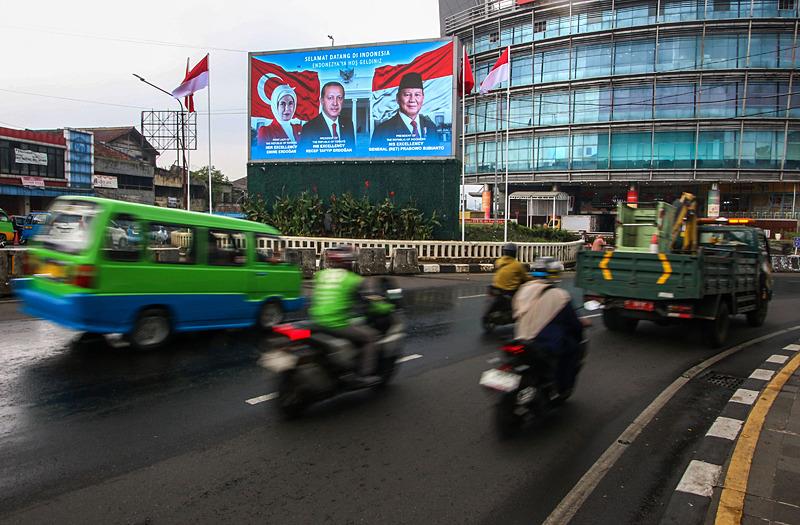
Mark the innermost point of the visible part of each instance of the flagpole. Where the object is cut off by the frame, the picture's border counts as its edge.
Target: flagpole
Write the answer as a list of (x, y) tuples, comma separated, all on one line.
[(188, 152), (463, 206), (210, 192), (508, 129)]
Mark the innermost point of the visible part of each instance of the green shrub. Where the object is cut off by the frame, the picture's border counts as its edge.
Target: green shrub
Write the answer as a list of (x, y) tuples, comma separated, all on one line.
[(516, 233)]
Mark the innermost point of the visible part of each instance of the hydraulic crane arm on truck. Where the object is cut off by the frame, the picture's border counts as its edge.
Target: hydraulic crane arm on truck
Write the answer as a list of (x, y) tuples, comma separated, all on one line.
[(669, 266)]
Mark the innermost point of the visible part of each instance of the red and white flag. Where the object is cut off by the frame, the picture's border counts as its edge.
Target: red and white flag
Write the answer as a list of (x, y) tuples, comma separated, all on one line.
[(499, 73), (436, 69), (266, 76), (466, 81), (194, 81)]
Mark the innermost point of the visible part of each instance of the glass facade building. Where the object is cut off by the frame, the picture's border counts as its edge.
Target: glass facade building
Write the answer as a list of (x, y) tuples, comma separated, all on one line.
[(613, 92)]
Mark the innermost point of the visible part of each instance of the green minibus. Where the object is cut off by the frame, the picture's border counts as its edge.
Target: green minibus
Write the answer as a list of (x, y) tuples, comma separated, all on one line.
[(106, 266)]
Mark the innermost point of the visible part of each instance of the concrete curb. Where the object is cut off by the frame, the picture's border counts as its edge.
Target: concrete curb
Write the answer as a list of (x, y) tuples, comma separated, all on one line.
[(691, 500)]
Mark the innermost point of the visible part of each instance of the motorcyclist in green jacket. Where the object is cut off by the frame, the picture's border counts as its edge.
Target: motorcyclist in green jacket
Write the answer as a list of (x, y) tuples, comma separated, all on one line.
[(340, 302)]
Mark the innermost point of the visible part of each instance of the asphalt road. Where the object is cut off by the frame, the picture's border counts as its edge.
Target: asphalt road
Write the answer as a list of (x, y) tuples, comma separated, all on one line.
[(96, 433)]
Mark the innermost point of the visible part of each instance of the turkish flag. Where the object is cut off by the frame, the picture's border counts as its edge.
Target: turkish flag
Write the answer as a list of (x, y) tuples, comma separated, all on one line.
[(265, 76)]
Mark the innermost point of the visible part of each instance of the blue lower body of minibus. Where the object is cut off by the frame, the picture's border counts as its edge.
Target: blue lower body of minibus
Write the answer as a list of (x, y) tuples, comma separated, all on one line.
[(106, 314)]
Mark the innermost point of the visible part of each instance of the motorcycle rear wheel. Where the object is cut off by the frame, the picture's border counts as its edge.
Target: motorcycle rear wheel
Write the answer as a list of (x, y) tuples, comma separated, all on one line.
[(291, 401), (507, 423), (387, 366)]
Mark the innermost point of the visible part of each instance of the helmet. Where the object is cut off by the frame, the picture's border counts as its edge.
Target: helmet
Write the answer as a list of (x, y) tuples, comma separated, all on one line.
[(340, 257), (510, 249), (547, 268)]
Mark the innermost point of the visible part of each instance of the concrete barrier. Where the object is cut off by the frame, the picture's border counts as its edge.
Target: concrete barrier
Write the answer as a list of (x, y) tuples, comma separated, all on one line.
[(305, 258), (405, 261), (371, 261)]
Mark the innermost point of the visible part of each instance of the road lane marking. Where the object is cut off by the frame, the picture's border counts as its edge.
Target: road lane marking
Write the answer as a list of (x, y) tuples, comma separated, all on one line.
[(574, 500), (261, 399), (590, 316), (700, 478), (725, 427), (408, 358), (744, 396), (777, 358), (472, 296), (731, 500), (761, 374), (792, 348)]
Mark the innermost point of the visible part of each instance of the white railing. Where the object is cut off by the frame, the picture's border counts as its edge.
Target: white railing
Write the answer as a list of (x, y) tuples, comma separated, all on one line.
[(441, 251)]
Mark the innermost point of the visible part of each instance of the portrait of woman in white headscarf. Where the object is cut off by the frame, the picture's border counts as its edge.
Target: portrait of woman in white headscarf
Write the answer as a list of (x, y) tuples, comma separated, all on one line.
[(284, 104)]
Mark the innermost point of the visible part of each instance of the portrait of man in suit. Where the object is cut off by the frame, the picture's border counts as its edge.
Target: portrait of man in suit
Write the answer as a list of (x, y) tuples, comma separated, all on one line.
[(328, 130), (408, 125)]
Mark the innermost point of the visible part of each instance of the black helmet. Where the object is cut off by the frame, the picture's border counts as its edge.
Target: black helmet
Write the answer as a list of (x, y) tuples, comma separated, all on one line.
[(340, 257), (510, 249)]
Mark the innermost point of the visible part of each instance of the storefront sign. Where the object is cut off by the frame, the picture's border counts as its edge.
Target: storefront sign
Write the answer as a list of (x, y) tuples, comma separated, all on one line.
[(25, 156), (37, 182), (104, 181), (713, 202)]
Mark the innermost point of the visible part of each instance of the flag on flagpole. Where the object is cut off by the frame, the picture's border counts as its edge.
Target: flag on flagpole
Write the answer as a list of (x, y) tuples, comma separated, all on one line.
[(466, 82), (188, 101), (194, 81), (499, 73)]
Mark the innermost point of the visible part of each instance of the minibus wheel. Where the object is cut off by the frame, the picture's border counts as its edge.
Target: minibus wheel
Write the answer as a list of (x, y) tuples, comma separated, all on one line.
[(151, 329), (269, 315)]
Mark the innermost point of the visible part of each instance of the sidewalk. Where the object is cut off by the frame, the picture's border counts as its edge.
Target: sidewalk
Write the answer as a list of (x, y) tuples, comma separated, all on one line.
[(762, 482)]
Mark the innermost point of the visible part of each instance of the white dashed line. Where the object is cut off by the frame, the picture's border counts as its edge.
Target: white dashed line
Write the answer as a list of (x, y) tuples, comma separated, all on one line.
[(408, 358), (700, 478), (792, 348), (590, 316), (472, 296), (779, 359), (745, 397), (261, 399), (725, 427), (762, 375)]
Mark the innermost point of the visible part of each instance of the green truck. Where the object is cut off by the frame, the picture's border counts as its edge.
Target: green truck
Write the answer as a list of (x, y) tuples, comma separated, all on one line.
[(726, 271)]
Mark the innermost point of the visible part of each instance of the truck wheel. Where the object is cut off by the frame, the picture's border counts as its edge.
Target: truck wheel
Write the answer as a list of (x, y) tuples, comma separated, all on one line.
[(615, 322), (759, 315), (716, 330)]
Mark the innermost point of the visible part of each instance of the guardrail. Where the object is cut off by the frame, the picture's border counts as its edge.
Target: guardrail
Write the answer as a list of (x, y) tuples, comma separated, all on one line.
[(440, 251)]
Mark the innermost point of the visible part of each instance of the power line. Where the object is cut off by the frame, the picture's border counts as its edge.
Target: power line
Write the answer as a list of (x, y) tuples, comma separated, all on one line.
[(124, 39)]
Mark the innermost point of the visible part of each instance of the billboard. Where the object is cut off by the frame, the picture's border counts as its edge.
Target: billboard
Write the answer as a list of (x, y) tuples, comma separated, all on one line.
[(378, 101)]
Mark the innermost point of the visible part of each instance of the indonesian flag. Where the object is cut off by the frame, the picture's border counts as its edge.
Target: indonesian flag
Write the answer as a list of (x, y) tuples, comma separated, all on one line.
[(188, 101), (466, 82), (436, 69), (499, 73), (194, 81), (265, 77)]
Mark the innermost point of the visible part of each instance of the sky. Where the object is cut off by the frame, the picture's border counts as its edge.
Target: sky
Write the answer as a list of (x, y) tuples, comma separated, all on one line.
[(88, 51)]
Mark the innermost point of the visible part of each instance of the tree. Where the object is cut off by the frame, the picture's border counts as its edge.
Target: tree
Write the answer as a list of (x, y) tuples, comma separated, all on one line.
[(218, 179)]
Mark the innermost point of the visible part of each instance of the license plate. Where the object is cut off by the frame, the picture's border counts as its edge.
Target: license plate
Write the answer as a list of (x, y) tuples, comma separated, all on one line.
[(499, 380), (277, 361)]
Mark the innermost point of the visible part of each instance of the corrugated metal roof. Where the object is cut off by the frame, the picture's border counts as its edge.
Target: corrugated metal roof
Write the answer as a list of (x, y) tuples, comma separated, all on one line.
[(539, 195), (34, 136)]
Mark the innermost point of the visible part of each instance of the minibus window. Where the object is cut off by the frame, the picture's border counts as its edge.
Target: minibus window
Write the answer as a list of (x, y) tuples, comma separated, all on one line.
[(123, 240), (171, 244), (227, 248), (69, 231)]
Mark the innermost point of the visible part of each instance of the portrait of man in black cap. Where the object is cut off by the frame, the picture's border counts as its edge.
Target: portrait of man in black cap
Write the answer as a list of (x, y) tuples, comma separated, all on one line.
[(408, 124)]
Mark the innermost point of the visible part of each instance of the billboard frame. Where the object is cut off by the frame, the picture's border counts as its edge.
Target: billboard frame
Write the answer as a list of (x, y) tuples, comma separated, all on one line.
[(454, 151)]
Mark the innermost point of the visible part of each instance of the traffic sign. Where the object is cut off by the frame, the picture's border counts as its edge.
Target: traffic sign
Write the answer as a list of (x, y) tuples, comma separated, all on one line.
[(797, 242)]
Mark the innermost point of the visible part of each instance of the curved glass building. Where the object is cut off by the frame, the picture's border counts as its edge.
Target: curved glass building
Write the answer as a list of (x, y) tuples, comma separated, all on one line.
[(665, 95)]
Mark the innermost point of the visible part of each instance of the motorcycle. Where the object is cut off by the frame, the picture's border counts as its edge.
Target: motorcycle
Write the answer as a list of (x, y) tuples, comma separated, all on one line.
[(313, 365), (498, 311), (525, 378)]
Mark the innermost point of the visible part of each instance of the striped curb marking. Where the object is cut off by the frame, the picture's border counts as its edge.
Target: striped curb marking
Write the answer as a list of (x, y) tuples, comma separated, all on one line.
[(692, 497)]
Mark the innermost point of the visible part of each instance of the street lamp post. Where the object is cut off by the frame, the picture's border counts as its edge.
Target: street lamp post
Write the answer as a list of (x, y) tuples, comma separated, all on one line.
[(331, 37), (181, 140)]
